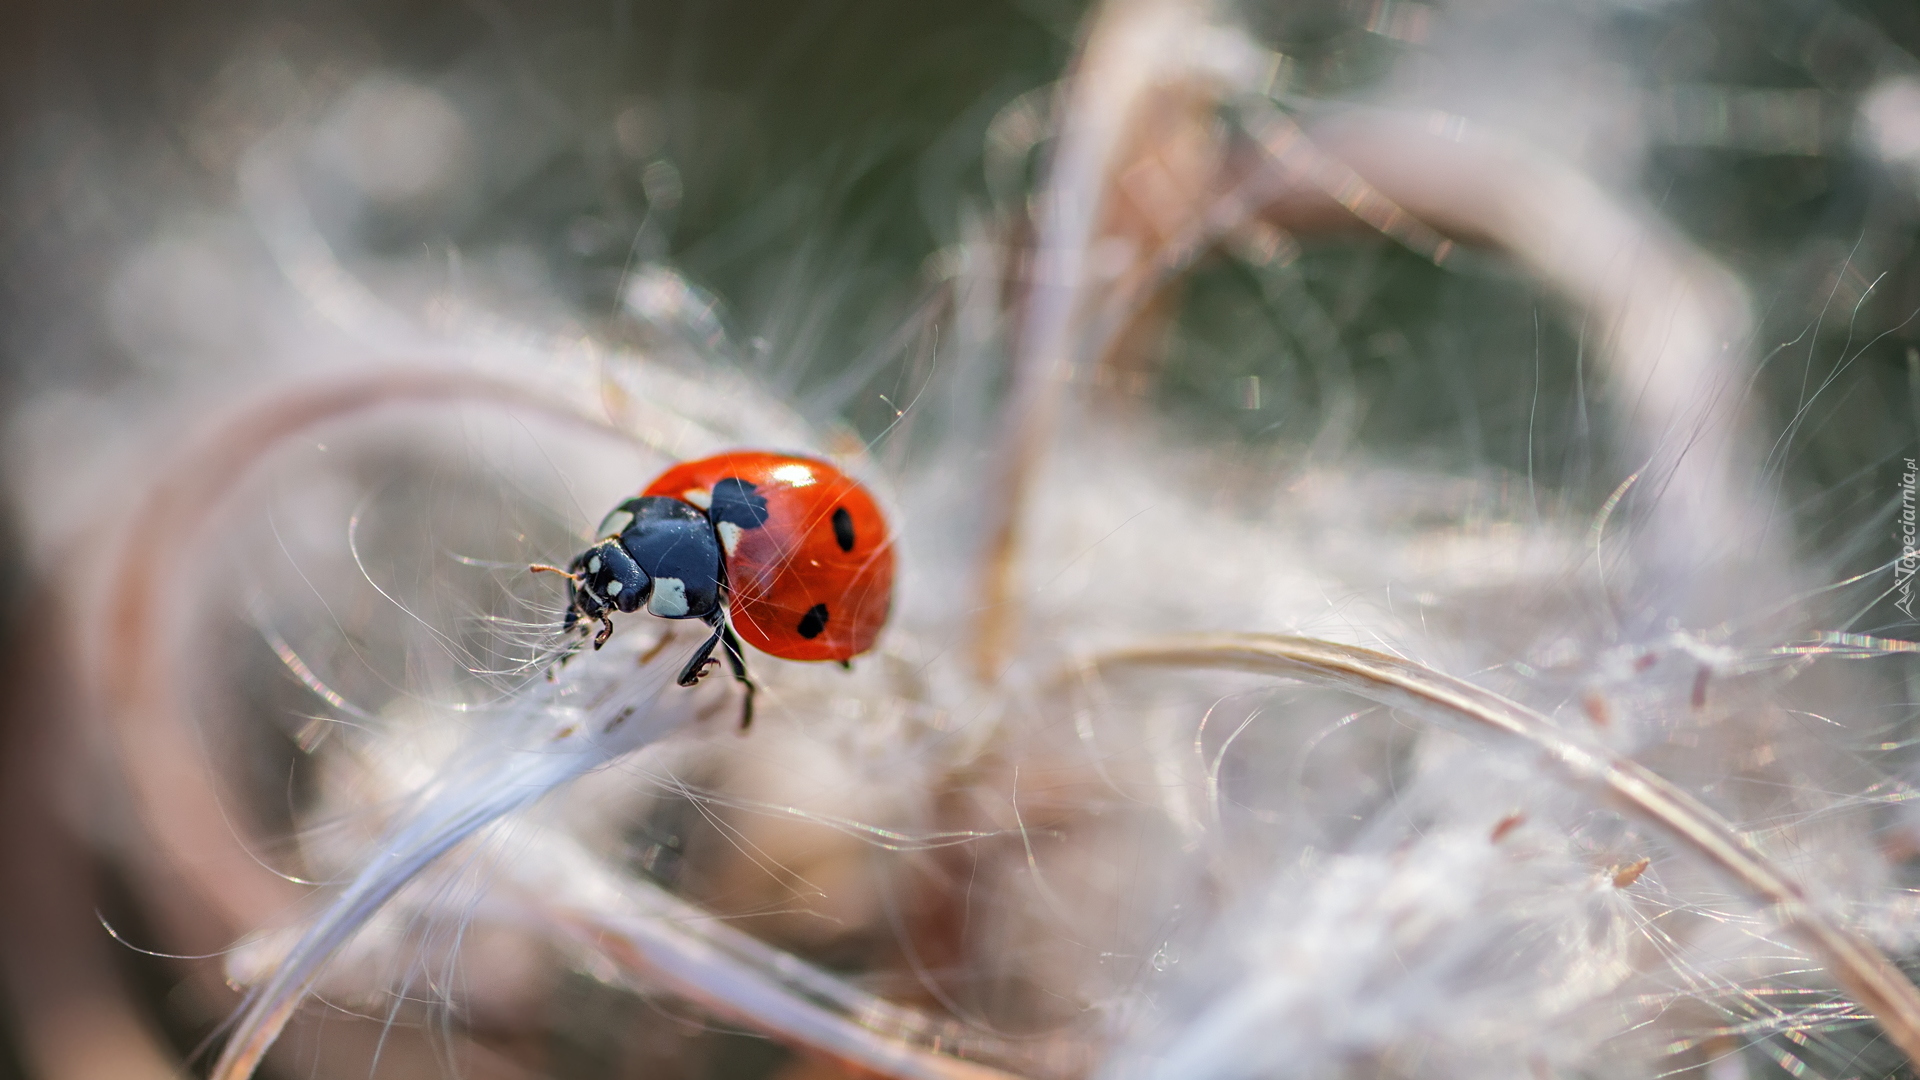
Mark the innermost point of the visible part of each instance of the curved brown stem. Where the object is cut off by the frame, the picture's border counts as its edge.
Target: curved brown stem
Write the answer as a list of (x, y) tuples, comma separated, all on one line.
[(149, 598), (211, 886), (1855, 963)]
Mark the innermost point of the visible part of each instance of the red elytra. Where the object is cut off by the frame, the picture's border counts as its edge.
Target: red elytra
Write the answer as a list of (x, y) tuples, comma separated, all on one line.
[(815, 580)]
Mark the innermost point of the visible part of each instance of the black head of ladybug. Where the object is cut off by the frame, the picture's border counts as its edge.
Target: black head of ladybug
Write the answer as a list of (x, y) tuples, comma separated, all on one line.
[(605, 578)]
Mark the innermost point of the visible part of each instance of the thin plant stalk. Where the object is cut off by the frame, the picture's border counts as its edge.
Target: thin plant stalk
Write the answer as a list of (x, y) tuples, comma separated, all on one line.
[(1135, 48), (1856, 964)]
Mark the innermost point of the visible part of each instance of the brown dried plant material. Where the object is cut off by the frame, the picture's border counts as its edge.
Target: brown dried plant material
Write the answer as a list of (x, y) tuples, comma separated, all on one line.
[(1131, 164), (1506, 825), (1626, 875)]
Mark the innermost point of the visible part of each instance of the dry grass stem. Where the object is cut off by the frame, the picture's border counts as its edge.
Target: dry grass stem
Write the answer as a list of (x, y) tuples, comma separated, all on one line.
[(1855, 963)]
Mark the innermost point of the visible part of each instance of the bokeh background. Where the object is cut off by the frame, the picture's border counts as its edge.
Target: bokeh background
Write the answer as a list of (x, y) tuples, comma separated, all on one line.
[(812, 157), (810, 165)]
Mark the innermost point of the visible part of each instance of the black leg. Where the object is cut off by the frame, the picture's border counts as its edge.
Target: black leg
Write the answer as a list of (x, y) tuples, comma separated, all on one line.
[(697, 665), (737, 660)]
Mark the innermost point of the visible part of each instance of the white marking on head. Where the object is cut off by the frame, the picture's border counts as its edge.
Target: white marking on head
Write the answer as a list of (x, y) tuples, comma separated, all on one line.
[(729, 536), (613, 587), (593, 565), (669, 599), (795, 475), (616, 523), (699, 497)]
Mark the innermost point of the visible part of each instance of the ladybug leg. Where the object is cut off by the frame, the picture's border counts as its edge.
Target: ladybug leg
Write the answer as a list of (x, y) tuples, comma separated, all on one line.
[(723, 635), (697, 663), (606, 631), (737, 660)]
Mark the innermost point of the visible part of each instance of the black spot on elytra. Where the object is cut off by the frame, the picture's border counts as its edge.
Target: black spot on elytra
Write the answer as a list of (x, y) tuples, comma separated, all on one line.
[(738, 502), (813, 622), (843, 528)]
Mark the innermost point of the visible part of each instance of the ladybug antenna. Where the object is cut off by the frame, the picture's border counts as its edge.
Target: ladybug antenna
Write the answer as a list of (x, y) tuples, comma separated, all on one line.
[(573, 614)]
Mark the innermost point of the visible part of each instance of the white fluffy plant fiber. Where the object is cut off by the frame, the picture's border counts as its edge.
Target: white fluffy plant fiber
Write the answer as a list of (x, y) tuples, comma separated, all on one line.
[(1173, 764)]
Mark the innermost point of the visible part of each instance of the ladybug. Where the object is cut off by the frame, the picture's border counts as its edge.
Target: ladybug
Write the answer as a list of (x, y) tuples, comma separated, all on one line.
[(786, 553)]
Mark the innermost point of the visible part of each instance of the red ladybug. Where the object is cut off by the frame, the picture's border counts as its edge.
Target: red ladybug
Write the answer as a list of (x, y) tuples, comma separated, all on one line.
[(789, 551)]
